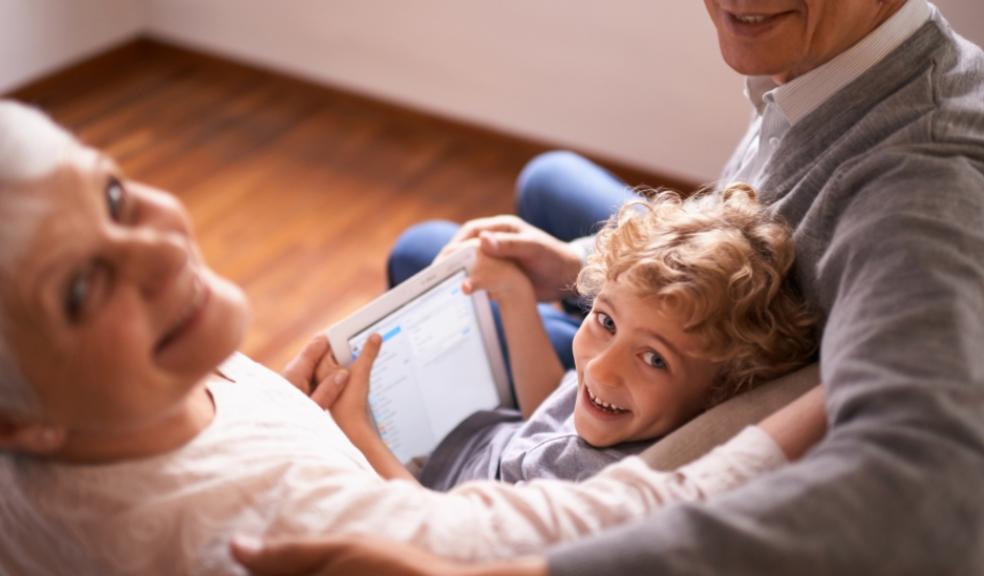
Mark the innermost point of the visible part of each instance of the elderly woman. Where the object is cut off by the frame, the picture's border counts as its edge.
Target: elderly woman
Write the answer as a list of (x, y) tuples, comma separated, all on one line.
[(136, 441)]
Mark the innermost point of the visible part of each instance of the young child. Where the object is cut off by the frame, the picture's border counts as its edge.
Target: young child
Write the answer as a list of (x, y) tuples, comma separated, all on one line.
[(692, 303)]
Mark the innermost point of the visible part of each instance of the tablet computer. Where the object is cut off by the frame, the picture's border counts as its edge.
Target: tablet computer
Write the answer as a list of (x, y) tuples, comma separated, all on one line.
[(440, 360)]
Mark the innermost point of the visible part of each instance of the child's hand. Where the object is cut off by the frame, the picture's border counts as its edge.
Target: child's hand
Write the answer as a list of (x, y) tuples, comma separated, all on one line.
[(502, 279), (315, 372), (351, 409)]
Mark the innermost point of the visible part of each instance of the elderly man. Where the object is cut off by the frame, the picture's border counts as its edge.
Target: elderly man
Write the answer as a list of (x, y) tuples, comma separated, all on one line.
[(869, 140)]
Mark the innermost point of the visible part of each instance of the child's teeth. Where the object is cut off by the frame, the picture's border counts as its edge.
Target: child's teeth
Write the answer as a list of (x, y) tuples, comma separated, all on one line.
[(604, 404)]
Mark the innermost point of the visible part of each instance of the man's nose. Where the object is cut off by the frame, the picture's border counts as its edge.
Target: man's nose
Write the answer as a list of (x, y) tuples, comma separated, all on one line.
[(151, 258)]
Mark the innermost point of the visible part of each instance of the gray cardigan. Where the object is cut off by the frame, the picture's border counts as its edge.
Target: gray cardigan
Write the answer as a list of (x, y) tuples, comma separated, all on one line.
[(884, 184)]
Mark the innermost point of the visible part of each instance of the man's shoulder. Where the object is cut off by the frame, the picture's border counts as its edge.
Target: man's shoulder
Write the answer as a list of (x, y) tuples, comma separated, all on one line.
[(930, 89), (958, 90), (921, 101)]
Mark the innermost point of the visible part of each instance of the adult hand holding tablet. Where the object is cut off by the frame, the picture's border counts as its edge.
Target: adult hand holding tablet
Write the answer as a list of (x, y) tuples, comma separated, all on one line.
[(440, 360)]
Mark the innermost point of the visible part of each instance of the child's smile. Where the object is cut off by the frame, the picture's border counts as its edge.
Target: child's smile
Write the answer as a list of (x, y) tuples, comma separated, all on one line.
[(601, 405)]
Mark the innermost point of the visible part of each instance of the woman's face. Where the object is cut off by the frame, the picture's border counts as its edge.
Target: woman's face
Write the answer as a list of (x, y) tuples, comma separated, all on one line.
[(116, 318)]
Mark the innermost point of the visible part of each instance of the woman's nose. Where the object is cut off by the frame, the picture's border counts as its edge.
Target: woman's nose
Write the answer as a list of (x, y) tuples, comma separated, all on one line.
[(150, 258)]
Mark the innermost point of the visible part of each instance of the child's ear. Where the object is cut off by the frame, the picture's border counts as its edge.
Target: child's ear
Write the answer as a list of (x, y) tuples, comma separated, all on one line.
[(29, 437)]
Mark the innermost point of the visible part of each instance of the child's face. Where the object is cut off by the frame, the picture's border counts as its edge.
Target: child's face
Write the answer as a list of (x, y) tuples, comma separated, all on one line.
[(639, 375), (116, 316)]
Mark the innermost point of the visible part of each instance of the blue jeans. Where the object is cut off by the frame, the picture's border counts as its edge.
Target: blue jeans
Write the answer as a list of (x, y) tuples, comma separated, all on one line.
[(559, 192)]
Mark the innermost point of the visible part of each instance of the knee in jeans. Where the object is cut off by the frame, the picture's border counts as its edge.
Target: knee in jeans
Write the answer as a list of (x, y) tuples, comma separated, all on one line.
[(416, 248), (537, 183)]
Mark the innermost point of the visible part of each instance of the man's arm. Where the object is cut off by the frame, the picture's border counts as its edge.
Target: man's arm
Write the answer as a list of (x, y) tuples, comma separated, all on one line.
[(893, 488)]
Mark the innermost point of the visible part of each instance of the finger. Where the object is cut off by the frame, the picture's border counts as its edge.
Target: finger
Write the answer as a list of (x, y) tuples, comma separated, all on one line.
[(500, 223), (489, 243), (329, 389), (294, 558), (300, 370), (363, 364), (449, 249), (471, 229), (506, 245), (326, 366), (453, 247)]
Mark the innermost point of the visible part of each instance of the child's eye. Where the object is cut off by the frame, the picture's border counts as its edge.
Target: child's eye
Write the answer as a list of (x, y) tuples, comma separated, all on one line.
[(606, 321), (655, 360)]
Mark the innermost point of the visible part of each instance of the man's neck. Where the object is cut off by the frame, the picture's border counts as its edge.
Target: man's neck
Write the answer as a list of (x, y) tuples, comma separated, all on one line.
[(887, 10)]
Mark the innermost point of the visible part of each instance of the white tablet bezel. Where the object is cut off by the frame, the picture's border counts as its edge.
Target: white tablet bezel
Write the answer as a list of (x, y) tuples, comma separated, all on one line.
[(340, 333)]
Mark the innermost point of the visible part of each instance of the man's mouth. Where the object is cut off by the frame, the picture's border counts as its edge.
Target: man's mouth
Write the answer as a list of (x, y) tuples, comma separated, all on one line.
[(748, 24), (188, 315), (751, 18), (602, 405)]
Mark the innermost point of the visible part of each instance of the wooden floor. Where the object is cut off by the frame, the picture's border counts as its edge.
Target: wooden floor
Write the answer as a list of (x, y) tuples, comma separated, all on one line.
[(296, 192)]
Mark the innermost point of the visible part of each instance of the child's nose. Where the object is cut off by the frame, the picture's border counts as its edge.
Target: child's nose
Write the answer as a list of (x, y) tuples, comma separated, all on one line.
[(151, 258), (607, 367)]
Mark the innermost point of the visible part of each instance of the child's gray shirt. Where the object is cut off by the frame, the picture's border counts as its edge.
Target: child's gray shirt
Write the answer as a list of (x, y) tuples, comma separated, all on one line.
[(499, 445)]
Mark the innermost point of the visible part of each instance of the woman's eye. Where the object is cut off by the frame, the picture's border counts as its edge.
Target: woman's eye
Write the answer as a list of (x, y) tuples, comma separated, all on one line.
[(115, 199), (77, 295), (606, 321), (655, 360)]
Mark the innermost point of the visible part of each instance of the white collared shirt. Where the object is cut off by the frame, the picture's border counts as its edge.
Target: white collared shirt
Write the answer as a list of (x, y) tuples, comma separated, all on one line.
[(778, 107)]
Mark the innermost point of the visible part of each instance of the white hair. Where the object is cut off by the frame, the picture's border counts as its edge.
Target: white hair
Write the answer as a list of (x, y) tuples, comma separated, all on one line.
[(31, 148), (31, 145)]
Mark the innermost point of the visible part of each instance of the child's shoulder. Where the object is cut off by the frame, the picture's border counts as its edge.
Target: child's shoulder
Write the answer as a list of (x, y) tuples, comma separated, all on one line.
[(562, 455)]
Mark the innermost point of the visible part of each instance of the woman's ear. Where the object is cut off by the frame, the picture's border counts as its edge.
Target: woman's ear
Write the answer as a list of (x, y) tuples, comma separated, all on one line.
[(29, 437)]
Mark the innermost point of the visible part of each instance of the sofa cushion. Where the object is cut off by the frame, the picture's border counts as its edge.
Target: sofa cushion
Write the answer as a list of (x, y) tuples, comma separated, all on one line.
[(720, 423)]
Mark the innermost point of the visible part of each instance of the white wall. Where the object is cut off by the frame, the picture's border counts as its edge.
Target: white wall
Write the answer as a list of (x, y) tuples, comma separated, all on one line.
[(38, 37), (642, 83), (638, 80)]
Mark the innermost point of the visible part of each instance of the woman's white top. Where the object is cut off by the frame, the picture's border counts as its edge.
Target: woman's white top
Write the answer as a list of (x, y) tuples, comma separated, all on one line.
[(273, 463)]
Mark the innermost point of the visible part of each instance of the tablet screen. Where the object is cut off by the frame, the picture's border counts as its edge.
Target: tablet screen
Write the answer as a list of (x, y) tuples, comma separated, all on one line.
[(432, 370)]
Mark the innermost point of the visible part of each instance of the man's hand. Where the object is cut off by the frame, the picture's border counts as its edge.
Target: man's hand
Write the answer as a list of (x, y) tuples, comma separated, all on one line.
[(315, 372), (550, 264), (504, 281), (359, 555)]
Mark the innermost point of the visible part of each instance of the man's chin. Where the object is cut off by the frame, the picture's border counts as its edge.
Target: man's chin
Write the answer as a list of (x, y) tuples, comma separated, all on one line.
[(758, 62)]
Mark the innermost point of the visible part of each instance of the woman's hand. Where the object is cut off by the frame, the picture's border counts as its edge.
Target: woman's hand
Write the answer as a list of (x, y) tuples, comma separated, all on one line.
[(358, 555), (551, 264), (316, 373)]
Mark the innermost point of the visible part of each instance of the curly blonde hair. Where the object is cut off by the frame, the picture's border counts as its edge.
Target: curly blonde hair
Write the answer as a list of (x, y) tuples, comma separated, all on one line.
[(722, 262)]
